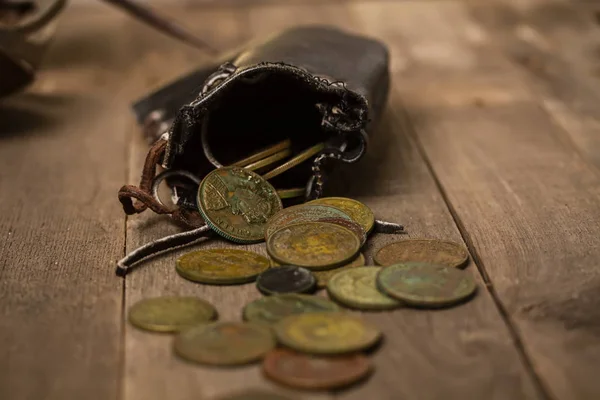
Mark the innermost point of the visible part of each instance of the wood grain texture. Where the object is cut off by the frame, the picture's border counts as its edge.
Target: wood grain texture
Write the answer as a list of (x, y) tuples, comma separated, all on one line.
[(555, 43), (467, 349), (152, 370), (61, 230), (527, 204)]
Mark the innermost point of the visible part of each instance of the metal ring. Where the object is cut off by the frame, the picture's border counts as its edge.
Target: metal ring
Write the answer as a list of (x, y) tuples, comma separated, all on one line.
[(167, 174), (204, 138)]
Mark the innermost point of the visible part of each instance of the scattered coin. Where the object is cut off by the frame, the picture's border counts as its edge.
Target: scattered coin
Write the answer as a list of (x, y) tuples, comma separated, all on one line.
[(426, 285), (324, 276), (285, 279), (170, 314), (354, 208), (314, 372), (221, 266), (255, 394), (353, 226), (224, 343), (326, 333), (313, 245), (356, 288), (431, 251), (273, 309), (237, 203), (303, 213)]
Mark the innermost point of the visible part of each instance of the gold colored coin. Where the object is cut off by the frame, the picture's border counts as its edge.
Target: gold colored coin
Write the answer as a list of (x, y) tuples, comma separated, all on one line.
[(300, 158), (357, 288), (263, 153), (224, 343), (237, 203), (313, 245), (326, 333), (324, 276), (170, 314), (221, 266), (430, 251), (359, 212), (265, 162)]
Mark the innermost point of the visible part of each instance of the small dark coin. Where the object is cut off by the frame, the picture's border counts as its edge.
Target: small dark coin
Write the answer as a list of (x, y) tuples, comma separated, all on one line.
[(304, 371), (431, 251), (426, 285), (285, 279), (224, 343), (272, 309)]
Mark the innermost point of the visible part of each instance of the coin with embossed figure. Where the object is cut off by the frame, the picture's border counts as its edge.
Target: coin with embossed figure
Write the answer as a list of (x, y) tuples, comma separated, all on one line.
[(170, 314), (313, 245), (356, 288), (324, 276), (426, 285), (305, 371), (237, 203), (303, 213), (326, 333), (432, 251), (222, 266), (354, 208), (269, 310), (285, 279), (224, 343)]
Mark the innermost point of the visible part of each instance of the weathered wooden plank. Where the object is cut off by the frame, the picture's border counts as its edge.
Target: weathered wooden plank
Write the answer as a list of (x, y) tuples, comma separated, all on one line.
[(467, 349), (62, 146), (555, 43), (526, 203)]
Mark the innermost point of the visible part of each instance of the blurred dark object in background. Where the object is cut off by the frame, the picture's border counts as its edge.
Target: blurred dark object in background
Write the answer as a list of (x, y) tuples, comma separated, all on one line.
[(27, 26)]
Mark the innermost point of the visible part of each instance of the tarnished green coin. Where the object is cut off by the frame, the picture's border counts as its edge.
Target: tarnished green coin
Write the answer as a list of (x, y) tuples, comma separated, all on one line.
[(224, 343), (356, 288), (303, 213), (269, 310), (221, 266), (170, 314), (324, 276), (354, 208), (426, 285), (431, 251), (313, 245), (237, 203), (326, 333)]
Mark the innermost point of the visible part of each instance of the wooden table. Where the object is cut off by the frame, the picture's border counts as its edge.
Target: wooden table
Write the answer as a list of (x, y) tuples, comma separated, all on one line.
[(491, 138)]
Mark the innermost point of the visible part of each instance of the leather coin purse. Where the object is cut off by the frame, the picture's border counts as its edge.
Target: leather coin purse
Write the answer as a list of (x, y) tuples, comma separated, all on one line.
[(310, 94)]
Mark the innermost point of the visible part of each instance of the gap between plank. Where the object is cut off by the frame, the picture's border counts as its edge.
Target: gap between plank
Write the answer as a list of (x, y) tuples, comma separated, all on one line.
[(539, 384)]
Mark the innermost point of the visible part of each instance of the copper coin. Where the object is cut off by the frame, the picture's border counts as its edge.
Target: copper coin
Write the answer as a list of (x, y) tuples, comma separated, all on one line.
[(286, 279), (353, 226), (302, 213), (304, 371), (430, 251)]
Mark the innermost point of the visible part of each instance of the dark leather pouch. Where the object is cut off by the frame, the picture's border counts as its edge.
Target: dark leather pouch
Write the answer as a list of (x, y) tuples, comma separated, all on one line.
[(309, 84)]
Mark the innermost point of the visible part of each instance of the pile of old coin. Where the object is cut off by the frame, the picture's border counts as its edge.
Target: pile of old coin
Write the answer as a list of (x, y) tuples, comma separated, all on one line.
[(304, 340)]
